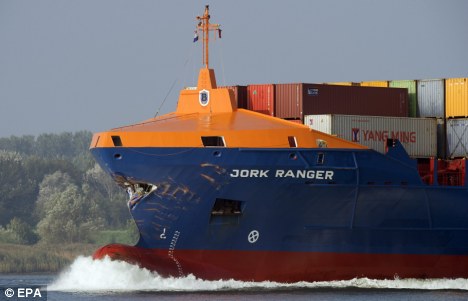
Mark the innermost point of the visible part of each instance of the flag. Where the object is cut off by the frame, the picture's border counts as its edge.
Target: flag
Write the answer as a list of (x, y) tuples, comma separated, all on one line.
[(195, 37)]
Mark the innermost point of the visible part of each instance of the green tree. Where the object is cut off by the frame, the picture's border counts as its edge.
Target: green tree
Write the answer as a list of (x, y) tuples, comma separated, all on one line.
[(65, 214), (22, 232), (23, 145), (82, 158), (99, 187), (17, 191)]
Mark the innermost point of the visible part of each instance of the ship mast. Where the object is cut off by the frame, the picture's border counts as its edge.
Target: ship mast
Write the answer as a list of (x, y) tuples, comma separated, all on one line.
[(205, 26)]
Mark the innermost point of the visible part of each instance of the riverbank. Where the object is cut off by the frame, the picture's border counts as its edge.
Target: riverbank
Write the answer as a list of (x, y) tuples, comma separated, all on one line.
[(40, 258), (51, 258)]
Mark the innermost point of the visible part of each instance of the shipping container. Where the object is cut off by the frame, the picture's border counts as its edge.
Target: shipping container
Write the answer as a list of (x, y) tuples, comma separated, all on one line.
[(383, 84), (417, 135), (371, 101), (343, 84), (441, 138), (431, 98), (295, 120), (457, 138), (288, 101), (412, 99), (240, 93), (456, 97), (261, 98)]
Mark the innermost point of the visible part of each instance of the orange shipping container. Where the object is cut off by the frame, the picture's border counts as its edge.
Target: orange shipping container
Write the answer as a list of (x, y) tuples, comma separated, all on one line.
[(375, 84), (456, 97), (261, 98), (343, 84)]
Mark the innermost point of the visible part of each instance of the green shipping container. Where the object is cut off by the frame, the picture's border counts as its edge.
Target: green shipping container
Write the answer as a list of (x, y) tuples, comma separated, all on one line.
[(412, 97)]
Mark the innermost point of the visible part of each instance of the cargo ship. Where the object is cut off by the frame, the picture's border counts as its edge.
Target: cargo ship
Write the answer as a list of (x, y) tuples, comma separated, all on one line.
[(227, 193)]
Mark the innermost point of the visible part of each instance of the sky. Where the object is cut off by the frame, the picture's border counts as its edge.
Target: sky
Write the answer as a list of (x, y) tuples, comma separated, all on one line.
[(98, 64)]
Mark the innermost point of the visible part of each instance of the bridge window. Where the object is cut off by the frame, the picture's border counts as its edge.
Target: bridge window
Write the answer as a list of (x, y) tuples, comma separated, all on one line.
[(116, 140), (292, 141), (213, 141)]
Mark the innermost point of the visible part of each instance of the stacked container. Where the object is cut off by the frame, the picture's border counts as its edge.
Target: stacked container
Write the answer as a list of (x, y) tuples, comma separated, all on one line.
[(297, 100), (343, 84), (441, 138), (383, 84), (411, 86), (456, 97), (418, 135), (431, 98), (431, 103), (240, 94), (289, 101), (444, 100), (457, 137), (261, 98)]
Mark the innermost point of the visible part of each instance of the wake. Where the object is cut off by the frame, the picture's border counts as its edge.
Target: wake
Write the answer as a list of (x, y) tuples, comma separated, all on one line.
[(86, 274)]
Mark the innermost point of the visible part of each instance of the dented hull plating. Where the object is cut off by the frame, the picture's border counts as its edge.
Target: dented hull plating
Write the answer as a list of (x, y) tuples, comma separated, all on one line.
[(326, 214)]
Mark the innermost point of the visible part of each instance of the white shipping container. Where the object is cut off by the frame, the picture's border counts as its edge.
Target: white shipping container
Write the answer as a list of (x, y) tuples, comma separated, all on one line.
[(457, 137), (431, 98), (418, 135)]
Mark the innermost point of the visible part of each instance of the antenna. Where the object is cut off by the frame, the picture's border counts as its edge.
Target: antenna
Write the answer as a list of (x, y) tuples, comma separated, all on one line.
[(205, 26)]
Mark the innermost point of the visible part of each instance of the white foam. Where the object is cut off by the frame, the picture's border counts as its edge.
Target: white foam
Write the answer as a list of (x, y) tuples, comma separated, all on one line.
[(86, 274)]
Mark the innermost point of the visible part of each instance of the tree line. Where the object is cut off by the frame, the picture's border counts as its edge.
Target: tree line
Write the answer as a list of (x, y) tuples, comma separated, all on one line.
[(51, 190)]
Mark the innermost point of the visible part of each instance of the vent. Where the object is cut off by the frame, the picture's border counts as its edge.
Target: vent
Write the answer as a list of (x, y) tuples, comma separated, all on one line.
[(116, 140), (212, 141)]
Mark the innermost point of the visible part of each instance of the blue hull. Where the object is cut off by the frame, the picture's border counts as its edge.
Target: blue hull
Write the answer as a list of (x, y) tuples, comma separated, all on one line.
[(369, 203), (305, 201)]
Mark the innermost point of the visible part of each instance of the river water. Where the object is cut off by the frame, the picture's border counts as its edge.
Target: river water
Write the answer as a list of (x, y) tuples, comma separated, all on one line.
[(86, 279)]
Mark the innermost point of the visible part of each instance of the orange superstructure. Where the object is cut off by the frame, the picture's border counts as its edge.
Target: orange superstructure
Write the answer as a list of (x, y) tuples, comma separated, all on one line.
[(211, 112), (208, 116)]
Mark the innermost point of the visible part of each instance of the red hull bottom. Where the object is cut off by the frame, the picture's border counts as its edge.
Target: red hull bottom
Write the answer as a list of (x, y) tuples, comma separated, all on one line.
[(287, 266)]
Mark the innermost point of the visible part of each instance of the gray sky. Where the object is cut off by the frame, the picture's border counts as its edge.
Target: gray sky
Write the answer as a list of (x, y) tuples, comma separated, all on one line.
[(97, 64)]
